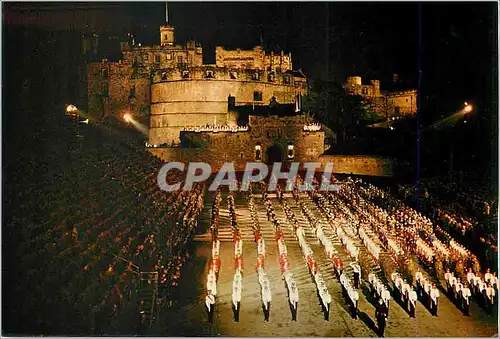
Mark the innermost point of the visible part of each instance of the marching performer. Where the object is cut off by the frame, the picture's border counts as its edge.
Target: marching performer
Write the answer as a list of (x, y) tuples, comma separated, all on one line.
[(357, 272), (470, 276), (386, 297), (427, 293), (381, 316), (266, 299), (237, 285), (354, 303), (371, 280), (465, 299), (487, 275), (212, 282), (294, 299), (418, 277), (453, 281), (405, 290), (261, 247), (398, 284), (457, 291), (210, 304), (490, 297), (216, 248), (338, 264), (434, 296), (413, 302), (447, 277), (326, 300), (380, 288)]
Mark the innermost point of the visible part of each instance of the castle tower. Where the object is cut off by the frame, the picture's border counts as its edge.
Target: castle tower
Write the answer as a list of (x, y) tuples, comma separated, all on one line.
[(166, 31), (376, 87)]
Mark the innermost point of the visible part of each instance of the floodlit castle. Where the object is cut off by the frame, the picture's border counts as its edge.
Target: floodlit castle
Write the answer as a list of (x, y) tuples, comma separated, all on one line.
[(395, 104), (171, 87)]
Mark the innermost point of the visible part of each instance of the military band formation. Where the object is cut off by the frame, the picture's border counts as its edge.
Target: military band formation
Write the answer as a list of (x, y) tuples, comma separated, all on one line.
[(358, 213)]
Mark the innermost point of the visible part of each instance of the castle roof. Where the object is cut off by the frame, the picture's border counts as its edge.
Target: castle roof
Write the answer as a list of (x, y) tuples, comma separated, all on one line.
[(296, 74)]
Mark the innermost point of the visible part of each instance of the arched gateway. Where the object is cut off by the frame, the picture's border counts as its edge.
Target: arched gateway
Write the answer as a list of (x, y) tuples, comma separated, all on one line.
[(274, 153)]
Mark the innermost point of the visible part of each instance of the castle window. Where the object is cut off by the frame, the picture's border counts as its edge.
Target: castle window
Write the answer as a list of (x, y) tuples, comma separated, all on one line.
[(257, 96), (258, 152), (406, 100), (209, 75), (132, 91), (277, 69), (105, 89), (163, 75), (185, 75), (290, 151), (233, 75), (255, 76), (157, 59), (286, 80), (365, 90), (145, 58), (165, 37), (104, 74), (180, 59), (169, 56), (270, 77)]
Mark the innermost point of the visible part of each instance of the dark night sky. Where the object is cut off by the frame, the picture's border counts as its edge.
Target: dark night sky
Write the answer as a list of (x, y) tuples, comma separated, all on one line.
[(327, 40)]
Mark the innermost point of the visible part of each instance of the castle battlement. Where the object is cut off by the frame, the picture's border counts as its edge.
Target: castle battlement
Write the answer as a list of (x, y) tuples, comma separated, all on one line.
[(170, 84), (386, 104), (215, 73)]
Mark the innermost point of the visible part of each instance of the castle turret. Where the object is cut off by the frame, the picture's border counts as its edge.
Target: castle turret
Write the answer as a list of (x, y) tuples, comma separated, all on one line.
[(376, 87), (166, 31), (354, 80), (167, 35)]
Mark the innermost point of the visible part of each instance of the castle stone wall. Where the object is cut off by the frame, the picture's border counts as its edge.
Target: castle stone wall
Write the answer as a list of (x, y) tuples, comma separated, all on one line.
[(342, 164), (192, 102), (360, 165), (405, 101)]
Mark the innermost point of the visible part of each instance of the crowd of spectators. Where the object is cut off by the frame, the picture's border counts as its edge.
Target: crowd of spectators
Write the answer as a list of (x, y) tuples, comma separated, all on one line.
[(464, 205), (86, 229)]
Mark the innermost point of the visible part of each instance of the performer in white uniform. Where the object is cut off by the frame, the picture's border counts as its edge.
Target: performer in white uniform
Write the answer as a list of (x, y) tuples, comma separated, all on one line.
[(237, 286), (413, 302), (434, 300), (466, 293), (210, 304)]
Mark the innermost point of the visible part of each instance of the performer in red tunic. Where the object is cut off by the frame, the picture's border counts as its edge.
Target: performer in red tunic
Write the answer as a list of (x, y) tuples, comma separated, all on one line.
[(279, 235), (260, 262), (338, 264), (257, 236), (238, 263)]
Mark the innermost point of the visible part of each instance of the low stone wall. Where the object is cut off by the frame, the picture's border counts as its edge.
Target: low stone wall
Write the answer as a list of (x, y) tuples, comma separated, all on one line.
[(360, 164), (342, 164)]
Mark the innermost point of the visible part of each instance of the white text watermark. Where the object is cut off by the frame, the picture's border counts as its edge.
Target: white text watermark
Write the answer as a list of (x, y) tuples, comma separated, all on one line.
[(254, 172)]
